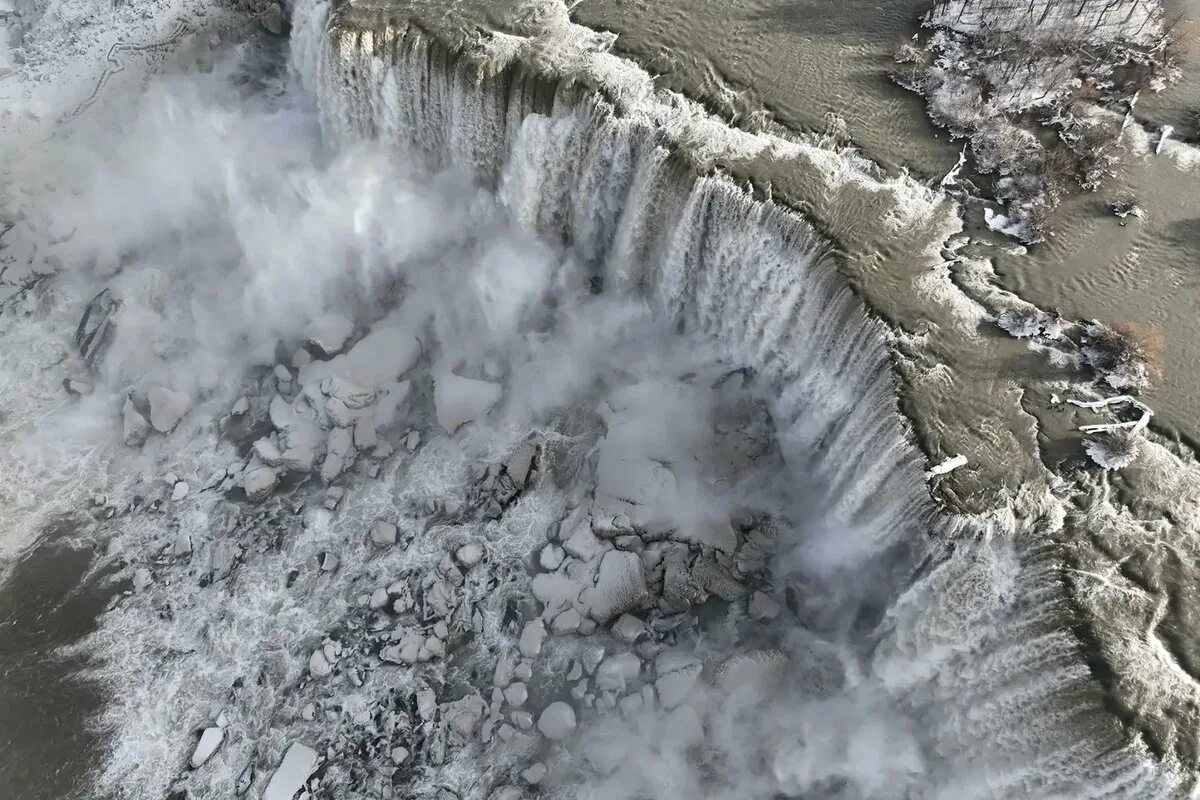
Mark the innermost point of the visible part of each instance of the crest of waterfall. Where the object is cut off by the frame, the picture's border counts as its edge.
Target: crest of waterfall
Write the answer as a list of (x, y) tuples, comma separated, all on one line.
[(970, 639)]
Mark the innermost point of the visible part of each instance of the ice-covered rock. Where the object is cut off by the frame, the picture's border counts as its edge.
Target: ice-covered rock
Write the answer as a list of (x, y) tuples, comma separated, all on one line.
[(382, 357), (135, 428), (182, 545), (551, 557), (318, 664), (259, 481), (620, 586), (677, 673), (534, 774), (298, 763), (516, 694), (469, 554), (532, 637), (628, 628), (461, 400), (557, 721), (566, 622), (383, 533), (329, 332), (96, 327), (210, 740), (763, 607), (167, 407), (507, 793), (617, 671)]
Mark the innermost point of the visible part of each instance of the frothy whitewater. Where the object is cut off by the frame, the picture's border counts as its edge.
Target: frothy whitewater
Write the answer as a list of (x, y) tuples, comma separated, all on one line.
[(456, 431)]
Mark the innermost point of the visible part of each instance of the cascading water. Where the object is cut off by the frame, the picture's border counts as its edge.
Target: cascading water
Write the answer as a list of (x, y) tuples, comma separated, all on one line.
[(495, 444), (976, 650)]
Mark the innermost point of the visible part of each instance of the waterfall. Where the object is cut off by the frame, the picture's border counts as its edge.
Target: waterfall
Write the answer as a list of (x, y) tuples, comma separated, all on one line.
[(975, 645)]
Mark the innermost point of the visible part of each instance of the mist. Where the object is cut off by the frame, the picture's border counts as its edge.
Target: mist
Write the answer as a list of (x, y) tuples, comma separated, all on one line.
[(362, 427)]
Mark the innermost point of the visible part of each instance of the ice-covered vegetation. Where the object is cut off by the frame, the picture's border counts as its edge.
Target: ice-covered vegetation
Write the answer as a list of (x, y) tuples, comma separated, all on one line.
[(1041, 89)]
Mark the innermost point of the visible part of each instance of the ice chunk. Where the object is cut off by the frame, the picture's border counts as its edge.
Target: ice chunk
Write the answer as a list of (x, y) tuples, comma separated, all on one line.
[(329, 333), (167, 407), (259, 481), (534, 774), (134, 426), (383, 356), (551, 557), (318, 665), (298, 763), (210, 740), (516, 694), (620, 586), (532, 637), (677, 674), (182, 545), (461, 400), (557, 721), (618, 670), (763, 607), (469, 554), (629, 628), (383, 533)]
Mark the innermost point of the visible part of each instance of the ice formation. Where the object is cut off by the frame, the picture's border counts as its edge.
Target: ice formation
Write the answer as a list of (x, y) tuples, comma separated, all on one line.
[(521, 453), (997, 72)]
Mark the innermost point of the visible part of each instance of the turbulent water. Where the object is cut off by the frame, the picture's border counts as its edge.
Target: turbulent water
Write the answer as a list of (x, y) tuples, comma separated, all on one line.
[(412, 415)]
